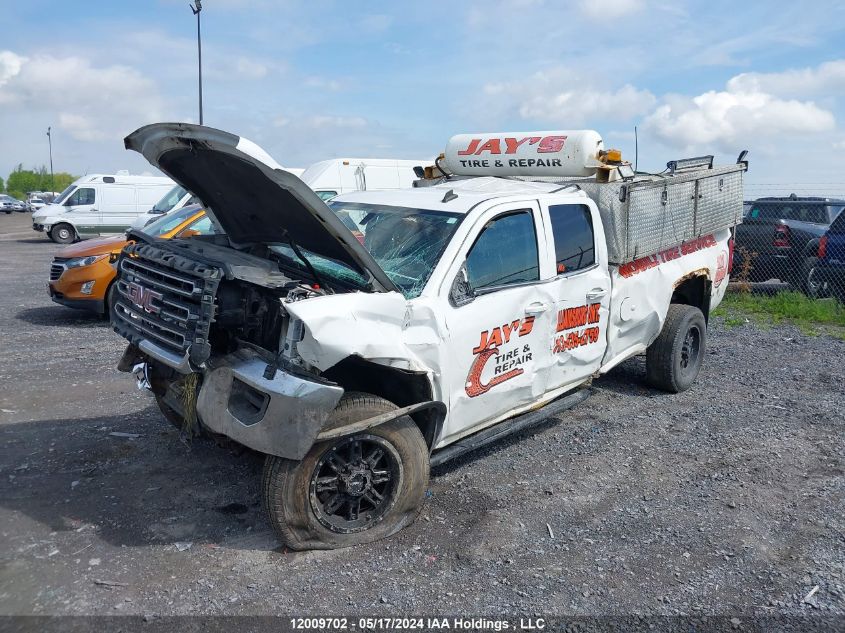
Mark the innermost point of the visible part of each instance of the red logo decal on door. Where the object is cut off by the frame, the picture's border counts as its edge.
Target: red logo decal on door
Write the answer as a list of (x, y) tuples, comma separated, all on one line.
[(507, 364)]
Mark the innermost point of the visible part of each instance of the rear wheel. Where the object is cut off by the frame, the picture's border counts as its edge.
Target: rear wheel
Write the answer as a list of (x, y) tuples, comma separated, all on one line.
[(809, 283), (62, 234), (674, 359), (349, 490)]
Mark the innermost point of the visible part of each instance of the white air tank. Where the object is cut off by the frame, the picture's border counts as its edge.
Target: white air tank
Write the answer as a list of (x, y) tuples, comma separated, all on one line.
[(560, 153)]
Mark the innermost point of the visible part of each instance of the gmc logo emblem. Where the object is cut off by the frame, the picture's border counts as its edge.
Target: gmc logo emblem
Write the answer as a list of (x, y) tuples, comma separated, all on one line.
[(143, 297)]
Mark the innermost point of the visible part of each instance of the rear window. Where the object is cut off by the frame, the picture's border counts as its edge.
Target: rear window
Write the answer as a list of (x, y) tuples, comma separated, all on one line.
[(813, 213), (573, 233)]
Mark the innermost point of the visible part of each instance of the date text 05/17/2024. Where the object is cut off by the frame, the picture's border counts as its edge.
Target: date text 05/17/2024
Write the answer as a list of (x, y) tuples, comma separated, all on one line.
[(417, 624)]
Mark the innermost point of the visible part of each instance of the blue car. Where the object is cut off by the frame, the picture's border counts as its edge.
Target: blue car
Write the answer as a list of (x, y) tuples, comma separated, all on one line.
[(830, 267)]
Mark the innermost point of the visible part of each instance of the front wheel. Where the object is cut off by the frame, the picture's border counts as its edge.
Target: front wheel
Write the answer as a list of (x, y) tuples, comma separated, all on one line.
[(110, 299), (171, 415), (350, 490), (62, 234), (674, 359)]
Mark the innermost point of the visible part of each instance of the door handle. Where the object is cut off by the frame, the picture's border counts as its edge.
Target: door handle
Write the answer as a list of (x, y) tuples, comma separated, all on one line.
[(536, 308), (596, 293)]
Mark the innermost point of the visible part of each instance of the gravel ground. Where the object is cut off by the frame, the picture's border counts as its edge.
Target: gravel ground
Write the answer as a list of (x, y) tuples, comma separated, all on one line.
[(727, 499)]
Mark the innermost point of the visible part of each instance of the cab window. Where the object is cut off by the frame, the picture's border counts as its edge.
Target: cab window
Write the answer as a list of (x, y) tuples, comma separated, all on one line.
[(505, 252), (83, 195), (572, 227)]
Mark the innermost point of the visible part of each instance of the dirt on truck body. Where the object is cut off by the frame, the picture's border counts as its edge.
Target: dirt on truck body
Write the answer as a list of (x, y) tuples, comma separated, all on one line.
[(358, 342)]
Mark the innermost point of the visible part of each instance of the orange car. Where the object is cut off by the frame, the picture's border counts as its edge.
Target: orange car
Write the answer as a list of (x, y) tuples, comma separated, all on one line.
[(81, 275)]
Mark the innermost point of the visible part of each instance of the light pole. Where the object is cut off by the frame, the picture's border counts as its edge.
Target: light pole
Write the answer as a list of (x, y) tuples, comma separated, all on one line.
[(50, 141), (197, 8)]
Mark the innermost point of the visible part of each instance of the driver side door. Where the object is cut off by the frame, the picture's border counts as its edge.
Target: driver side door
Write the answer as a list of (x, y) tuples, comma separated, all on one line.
[(82, 204), (499, 318)]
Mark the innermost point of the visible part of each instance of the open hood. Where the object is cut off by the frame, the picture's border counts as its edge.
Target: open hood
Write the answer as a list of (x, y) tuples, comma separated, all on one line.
[(249, 195)]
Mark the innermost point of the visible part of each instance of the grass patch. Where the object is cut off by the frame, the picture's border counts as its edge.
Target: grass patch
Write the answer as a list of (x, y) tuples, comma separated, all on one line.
[(811, 316)]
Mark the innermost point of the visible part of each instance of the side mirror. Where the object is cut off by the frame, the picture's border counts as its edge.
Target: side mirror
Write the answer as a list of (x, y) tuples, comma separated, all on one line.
[(461, 292), (188, 233)]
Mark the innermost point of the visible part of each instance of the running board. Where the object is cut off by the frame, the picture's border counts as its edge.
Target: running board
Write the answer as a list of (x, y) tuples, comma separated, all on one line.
[(508, 427)]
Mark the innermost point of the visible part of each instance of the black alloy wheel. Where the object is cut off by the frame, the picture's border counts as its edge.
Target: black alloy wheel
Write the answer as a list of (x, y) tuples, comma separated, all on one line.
[(354, 483)]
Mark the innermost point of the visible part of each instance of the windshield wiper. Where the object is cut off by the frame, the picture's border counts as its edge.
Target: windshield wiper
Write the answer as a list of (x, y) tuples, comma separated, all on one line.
[(308, 265)]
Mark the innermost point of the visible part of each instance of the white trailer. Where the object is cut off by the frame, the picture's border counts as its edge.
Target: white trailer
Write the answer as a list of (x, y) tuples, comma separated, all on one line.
[(329, 178)]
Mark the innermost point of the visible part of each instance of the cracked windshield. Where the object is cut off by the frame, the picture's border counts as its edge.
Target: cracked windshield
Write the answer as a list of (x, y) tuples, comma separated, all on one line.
[(405, 242)]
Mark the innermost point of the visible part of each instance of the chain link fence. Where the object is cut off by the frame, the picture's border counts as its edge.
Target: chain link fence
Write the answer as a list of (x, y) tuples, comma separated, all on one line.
[(792, 238)]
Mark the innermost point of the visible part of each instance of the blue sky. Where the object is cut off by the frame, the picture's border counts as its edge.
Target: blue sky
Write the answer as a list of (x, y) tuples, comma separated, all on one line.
[(315, 80)]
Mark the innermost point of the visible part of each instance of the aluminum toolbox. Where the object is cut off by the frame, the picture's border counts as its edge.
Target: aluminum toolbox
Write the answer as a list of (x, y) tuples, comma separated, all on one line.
[(652, 213)]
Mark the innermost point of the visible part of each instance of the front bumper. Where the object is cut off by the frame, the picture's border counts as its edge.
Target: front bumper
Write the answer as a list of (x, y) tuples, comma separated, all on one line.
[(92, 305), (279, 416), (66, 285)]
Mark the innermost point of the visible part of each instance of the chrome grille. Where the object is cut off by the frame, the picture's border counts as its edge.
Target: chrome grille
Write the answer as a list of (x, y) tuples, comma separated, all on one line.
[(166, 299), (157, 277)]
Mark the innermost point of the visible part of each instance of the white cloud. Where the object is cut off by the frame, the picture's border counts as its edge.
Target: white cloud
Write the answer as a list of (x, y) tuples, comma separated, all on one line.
[(578, 106), (88, 102), (754, 109), (250, 68), (10, 65), (827, 78), (81, 127), (559, 96), (609, 9), (730, 119)]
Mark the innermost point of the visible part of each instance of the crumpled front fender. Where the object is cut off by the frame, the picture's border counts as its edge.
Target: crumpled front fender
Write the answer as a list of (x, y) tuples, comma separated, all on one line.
[(379, 327)]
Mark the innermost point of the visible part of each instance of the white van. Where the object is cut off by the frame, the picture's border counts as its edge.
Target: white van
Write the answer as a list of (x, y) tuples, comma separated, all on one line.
[(330, 178), (99, 204)]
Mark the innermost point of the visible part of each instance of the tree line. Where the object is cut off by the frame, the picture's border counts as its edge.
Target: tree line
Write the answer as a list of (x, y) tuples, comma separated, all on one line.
[(21, 181)]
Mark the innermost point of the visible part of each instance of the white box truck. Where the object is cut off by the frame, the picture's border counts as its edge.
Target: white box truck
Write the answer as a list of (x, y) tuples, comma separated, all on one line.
[(356, 343), (99, 204)]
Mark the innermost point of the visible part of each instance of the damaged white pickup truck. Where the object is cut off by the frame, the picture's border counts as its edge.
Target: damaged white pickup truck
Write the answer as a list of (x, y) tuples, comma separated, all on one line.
[(358, 342)]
